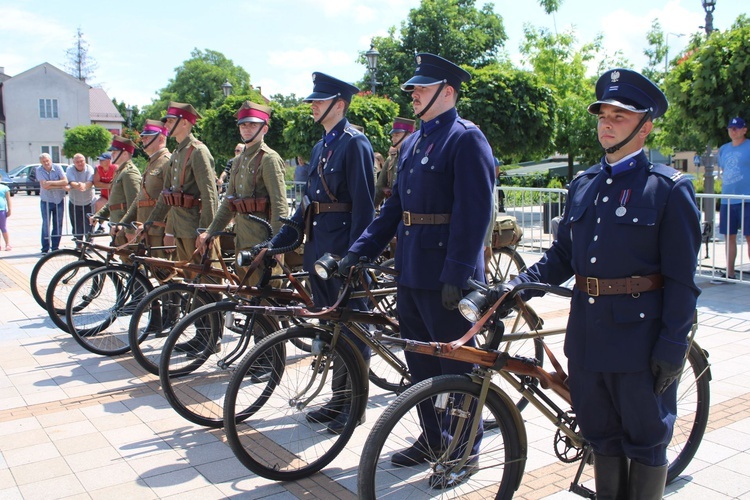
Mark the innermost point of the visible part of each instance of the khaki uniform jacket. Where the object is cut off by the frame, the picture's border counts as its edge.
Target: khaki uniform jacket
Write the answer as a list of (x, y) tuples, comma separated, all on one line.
[(386, 178), (124, 190), (200, 181), (152, 184), (245, 182)]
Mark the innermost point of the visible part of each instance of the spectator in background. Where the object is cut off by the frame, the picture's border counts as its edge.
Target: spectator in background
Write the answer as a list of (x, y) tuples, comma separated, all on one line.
[(103, 176), (5, 208), (52, 185), (81, 188), (378, 165), (301, 172), (734, 165), (402, 128), (224, 177)]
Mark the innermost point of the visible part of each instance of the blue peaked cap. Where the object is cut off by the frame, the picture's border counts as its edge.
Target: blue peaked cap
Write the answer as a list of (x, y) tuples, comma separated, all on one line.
[(326, 87), (432, 69), (629, 90)]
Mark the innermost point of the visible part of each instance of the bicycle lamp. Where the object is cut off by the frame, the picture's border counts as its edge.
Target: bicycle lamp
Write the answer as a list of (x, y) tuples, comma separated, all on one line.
[(244, 258), (326, 266), (473, 306)]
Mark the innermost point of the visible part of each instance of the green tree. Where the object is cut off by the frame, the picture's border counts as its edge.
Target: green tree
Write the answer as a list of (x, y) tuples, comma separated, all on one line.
[(455, 29), (287, 101), (656, 52), (709, 86), (561, 64), (375, 114), (513, 108), (89, 140), (300, 131), (198, 81)]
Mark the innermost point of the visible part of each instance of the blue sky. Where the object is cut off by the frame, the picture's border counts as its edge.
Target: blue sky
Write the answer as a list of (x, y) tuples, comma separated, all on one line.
[(138, 44)]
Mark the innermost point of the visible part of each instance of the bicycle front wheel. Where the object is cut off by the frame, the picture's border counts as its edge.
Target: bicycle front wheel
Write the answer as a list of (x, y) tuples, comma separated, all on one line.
[(156, 315), (45, 268), (60, 286), (100, 306), (281, 399), (199, 358), (693, 402), (495, 471)]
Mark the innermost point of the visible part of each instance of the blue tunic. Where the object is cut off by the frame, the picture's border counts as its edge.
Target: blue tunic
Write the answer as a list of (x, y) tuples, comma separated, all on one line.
[(659, 233), (446, 168)]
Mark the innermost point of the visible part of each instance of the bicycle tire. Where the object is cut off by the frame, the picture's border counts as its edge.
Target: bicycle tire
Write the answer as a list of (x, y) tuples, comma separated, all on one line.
[(156, 315), (46, 268), (194, 369), (382, 374), (265, 408), (60, 286), (693, 405), (501, 457), (504, 265), (100, 305)]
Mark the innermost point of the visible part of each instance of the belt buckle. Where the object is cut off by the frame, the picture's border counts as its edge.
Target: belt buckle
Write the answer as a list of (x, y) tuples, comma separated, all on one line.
[(592, 284), (407, 218), (316, 207)]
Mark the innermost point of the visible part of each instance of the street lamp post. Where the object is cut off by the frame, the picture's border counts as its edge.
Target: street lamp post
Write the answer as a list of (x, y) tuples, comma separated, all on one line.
[(226, 87), (666, 56), (372, 64), (708, 170), (129, 112)]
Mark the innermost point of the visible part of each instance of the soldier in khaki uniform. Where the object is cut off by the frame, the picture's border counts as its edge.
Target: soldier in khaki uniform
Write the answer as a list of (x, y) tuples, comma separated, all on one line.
[(402, 128), (256, 184), (189, 196), (125, 184), (153, 142)]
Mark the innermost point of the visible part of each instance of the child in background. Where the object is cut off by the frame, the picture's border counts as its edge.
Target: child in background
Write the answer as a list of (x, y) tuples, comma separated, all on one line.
[(5, 207)]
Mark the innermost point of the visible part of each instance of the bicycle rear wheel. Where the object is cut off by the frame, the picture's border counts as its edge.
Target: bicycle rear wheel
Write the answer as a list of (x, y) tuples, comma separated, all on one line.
[(494, 472), (156, 315), (100, 305), (275, 388), (60, 286), (45, 269), (693, 403), (200, 355)]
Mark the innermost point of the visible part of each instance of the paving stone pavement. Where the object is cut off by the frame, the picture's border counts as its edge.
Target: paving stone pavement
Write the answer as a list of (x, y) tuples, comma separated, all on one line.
[(77, 425)]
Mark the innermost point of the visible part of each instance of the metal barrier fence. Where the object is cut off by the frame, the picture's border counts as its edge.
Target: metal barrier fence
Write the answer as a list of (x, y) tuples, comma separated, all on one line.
[(535, 210)]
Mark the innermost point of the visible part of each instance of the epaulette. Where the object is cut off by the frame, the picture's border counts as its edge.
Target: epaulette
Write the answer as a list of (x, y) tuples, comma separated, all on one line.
[(665, 171), (466, 123), (351, 131)]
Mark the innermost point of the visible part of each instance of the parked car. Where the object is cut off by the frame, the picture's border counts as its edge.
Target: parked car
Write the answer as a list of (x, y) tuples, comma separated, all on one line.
[(5, 179), (25, 177)]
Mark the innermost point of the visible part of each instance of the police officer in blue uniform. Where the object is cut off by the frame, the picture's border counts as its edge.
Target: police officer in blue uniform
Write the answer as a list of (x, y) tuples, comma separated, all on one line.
[(630, 235), (439, 209), (337, 206)]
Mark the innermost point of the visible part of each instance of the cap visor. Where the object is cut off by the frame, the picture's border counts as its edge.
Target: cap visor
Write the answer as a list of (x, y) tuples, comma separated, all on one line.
[(319, 96), (419, 80), (594, 108), (250, 119), (147, 133)]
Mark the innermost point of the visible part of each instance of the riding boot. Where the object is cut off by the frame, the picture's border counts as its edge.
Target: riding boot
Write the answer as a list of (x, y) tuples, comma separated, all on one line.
[(206, 341), (611, 477), (336, 426), (339, 401), (646, 482)]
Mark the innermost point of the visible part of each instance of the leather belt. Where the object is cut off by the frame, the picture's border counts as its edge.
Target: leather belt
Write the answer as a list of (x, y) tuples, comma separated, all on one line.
[(321, 208), (147, 203), (632, 285), (432, 219), (118, 206)]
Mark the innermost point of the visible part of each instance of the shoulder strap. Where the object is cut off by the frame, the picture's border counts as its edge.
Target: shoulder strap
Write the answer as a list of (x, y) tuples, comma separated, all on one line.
[(190, 150), (323, 179), (258, 159)]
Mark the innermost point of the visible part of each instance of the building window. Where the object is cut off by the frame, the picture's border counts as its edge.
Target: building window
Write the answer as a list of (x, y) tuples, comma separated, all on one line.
[(48, 108), (53, 151)]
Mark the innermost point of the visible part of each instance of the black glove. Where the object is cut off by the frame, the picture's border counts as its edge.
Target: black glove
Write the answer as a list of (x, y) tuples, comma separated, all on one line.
[(350, 260), (494, 294), (664, 374), (452, 295)]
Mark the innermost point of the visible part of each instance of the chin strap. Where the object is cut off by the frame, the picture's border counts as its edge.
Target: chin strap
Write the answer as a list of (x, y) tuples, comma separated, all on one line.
[(145, 146), (116, 161), (629, 138), (330, 107), (432, 101), (248, 141), (400, 140), (177, 122)]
